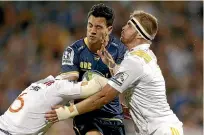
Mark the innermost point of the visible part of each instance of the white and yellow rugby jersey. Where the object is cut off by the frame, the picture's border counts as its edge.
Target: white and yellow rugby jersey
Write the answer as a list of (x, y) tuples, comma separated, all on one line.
[(26, 114), (140, 79)]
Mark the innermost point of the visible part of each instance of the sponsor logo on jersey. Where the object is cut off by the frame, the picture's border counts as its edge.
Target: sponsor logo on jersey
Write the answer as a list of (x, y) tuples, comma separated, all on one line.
[(119, 78), (35, 88), (68, 57), (96, 58)]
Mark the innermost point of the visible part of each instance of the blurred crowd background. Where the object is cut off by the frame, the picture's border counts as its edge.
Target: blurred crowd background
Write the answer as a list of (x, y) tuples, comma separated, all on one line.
[(34, 34)]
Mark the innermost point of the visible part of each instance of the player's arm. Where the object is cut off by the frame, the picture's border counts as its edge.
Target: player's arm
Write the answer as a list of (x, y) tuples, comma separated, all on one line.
[(81, 89), (114, 66), (94, 102), (106, 95), (120, 82), (108, 60), (68, 76), (125, 76)]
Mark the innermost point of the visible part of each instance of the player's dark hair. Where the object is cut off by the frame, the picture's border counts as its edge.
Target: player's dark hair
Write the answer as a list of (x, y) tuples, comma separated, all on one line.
[(101, 10)]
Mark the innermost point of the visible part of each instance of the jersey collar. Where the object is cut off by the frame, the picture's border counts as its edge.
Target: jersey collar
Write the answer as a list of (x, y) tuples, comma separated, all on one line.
[(141, 47)]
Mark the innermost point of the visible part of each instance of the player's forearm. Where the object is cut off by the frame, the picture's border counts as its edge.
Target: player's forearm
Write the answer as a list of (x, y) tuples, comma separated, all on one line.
[(94, 102), (68, 76), (113, 69), (72, 78), (91, 87), (90, 104), (97, 100)]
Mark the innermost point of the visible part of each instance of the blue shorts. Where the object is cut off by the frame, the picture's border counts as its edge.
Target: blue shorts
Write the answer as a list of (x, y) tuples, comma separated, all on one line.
[(105, 126)]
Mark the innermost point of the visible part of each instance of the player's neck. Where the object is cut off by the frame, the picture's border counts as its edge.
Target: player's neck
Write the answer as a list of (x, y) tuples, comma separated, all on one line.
[(97, 46), (94, 47)]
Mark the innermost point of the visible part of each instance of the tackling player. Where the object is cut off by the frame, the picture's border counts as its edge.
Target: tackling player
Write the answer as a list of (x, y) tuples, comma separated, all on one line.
[(26, 114)]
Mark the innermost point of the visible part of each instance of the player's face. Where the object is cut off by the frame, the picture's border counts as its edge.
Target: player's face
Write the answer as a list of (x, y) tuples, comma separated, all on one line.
[(128, 33), (96, 29)]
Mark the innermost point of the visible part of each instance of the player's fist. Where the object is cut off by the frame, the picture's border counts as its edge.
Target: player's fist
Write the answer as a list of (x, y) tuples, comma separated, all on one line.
[(126, 112), (61, 113), (51, 116)]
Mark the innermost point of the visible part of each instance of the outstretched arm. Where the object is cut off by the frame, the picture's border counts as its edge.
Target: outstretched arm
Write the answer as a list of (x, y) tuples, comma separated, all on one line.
[(118, 83), (94, 102), (106, 95)]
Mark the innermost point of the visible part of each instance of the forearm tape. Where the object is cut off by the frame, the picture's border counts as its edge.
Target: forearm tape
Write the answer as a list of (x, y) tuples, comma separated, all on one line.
[(66, 112), (93, 86)]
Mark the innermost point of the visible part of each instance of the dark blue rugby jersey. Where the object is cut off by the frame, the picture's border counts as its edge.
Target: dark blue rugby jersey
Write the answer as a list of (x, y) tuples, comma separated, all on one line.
[(78, 58)]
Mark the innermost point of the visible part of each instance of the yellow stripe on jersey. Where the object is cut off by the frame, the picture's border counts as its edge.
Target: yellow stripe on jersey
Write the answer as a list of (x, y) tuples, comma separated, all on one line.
[(174, 131), (143, 55), (177, 132), (86, 41)]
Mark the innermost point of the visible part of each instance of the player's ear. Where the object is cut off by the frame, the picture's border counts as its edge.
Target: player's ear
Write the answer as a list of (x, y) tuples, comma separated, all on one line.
[(110, 29)]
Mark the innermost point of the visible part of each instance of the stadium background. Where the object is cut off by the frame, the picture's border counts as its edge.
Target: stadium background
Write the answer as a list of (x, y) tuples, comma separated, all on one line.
[(33, 36)]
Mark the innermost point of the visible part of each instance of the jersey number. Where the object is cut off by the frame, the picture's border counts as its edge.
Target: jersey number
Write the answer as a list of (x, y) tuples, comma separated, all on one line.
[(21, 100)]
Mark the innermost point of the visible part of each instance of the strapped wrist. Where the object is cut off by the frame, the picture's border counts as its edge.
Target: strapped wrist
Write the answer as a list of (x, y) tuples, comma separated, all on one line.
[(66, 112)]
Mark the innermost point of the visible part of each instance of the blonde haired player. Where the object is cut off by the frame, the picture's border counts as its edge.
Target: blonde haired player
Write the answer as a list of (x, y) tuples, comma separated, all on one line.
[(139, 78), (26, 114)]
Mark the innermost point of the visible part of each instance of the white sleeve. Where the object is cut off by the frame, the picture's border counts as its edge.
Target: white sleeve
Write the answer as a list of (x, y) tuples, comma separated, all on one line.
[(129, 72), (67, 88)]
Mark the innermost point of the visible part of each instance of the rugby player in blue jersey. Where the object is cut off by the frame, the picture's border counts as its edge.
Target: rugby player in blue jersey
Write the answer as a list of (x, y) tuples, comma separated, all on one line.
[(82, 56)]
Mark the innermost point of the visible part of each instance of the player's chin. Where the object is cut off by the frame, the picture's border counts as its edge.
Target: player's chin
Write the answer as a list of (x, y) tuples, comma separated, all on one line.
[(122, 40), (92, 41)]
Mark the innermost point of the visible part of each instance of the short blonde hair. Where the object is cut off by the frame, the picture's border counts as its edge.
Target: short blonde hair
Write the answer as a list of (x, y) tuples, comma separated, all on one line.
[(148, 21)]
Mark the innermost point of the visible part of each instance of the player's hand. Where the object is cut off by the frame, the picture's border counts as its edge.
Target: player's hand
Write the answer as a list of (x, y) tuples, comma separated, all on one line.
[(51, 116), (59, 113), (105, 55), (126, 112)]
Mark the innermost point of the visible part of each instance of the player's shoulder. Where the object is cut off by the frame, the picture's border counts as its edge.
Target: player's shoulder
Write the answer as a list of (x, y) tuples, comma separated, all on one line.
[(139, 55), (77, 46), (49, 78)]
